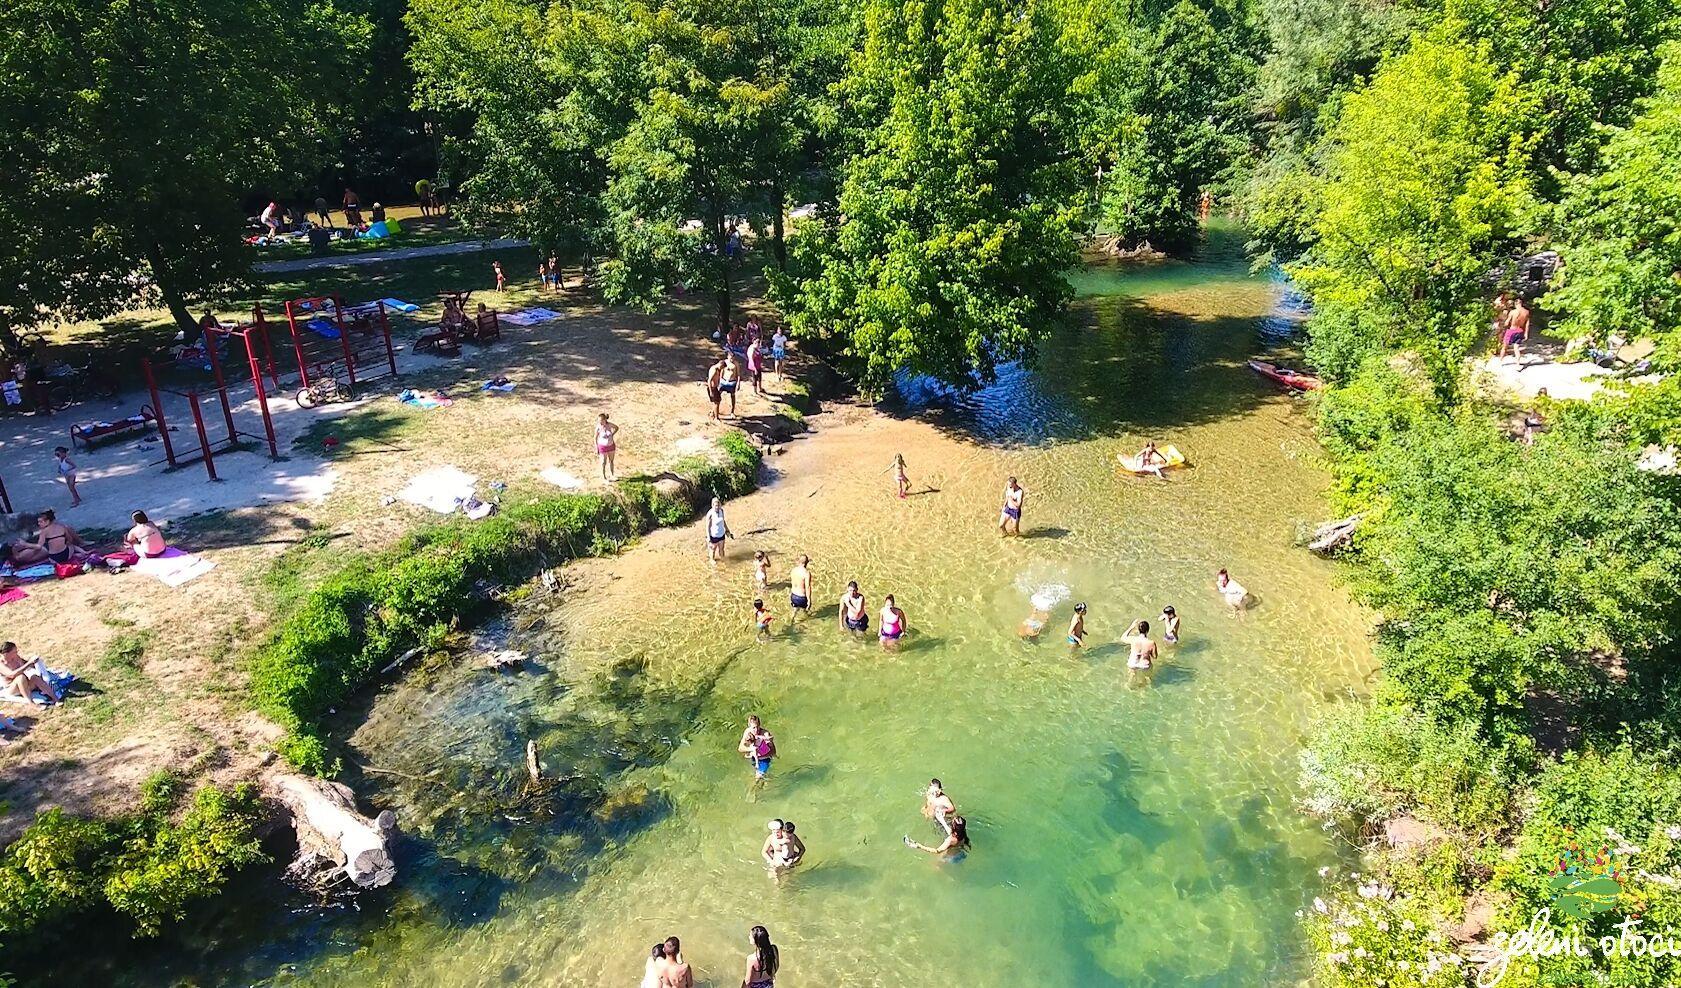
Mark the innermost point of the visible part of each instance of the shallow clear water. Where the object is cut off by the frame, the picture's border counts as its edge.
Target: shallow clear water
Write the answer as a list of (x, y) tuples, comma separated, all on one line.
[(1123, 833)]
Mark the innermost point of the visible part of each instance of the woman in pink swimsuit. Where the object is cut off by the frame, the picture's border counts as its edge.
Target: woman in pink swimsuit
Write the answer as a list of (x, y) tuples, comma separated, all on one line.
[(605, 446)]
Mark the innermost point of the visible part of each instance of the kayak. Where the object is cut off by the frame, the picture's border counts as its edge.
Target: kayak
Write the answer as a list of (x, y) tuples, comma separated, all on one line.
[(1171, 454), (1284, 375)]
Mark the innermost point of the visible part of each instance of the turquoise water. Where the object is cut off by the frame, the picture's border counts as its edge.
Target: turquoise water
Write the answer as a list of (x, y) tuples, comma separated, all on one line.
[(1126, 833)]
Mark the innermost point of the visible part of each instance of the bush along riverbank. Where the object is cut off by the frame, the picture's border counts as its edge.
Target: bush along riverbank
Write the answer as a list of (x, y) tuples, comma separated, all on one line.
[(361, 618)]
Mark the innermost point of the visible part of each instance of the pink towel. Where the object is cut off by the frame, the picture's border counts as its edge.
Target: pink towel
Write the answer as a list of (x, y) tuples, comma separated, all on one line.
[(10, 594)]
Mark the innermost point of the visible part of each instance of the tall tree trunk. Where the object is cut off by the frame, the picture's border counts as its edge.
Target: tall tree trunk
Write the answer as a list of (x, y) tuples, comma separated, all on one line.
[(171, 295), (721, 244), (778, 205)]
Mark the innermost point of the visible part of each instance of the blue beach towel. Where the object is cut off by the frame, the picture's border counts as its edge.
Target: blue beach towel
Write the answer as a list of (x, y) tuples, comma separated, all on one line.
[(398, 305), (323, 328), (57, 677)]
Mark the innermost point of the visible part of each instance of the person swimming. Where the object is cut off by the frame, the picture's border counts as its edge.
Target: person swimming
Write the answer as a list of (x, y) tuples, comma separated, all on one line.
[(1170, 625), (892, 621), (956, 845), (761, 617), (853, 615), (1034, 623), (937, 806), (1077, 627)]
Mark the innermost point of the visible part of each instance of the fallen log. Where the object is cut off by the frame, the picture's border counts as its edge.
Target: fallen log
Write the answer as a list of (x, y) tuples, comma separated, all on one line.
[(334, 838), (1333, 535)]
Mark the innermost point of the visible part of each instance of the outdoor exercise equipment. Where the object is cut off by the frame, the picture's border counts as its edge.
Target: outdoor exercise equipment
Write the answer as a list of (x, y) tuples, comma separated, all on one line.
[(259, 358), (326, 332)]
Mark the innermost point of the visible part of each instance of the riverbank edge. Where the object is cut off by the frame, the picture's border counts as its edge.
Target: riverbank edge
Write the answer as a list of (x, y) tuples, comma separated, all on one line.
[(372, 609)]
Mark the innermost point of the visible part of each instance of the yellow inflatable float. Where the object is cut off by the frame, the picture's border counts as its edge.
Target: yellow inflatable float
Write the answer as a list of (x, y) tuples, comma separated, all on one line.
[(1170, 455)]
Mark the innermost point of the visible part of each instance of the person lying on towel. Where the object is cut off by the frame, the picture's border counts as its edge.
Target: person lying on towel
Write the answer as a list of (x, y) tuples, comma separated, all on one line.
[(144, 538), (20, 676)]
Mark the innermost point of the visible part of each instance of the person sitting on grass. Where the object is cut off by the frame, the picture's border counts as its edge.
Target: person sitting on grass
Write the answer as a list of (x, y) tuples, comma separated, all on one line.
[(54, 542), (20, 676), (144, 538)]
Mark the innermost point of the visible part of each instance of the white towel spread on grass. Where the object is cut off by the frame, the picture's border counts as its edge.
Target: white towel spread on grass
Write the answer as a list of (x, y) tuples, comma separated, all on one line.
[(528, 317), (174, 567), (440, 489), (560, 478)]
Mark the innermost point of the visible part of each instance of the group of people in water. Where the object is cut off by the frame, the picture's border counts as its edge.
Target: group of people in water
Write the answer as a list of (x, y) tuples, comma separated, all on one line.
[(666, 968)]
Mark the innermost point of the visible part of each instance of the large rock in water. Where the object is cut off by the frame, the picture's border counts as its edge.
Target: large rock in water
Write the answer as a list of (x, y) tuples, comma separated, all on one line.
[(334, 838)]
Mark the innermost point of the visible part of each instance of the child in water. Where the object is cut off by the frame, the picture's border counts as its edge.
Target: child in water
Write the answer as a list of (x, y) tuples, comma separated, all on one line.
[(900, 478), (1033, 623), (761, 618), (1077, 627), (761, 569), (1170, 625)]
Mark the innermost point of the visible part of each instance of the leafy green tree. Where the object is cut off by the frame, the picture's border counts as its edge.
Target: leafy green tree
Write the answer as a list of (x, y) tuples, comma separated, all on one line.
[(1622, 230), (158, 117), (1172, 95), (958, 217), (1426, 189)]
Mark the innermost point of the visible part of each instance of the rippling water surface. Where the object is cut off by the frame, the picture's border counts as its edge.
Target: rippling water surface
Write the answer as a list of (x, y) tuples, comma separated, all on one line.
[(1123, 835)]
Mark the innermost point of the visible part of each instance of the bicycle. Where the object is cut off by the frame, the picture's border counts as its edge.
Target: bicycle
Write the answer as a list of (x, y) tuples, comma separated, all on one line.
[(324, 387)]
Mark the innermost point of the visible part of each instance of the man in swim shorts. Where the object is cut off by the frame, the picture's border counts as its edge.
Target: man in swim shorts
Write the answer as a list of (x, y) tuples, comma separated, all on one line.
[(799, 589), (1009, 520), (1517, 331), (714, 375), (853, 615)]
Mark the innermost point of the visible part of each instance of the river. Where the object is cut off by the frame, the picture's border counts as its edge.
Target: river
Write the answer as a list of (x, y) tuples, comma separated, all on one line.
[(1124, 833)]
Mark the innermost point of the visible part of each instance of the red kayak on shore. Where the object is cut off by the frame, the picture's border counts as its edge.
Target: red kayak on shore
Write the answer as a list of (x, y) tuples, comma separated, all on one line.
[(1285, 376)]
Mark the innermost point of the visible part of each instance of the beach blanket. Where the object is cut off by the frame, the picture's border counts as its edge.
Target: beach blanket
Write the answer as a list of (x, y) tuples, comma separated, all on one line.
[(500, 384), (57, 677), (398, 305), (174, 567), (441, 489), (436, 399), (530, 317), (40, 571), (323, 328), (10, 594)]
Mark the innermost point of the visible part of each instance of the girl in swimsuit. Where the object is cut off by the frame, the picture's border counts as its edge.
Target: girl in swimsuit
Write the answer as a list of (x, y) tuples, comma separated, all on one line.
[(763, 962), (892, 622), (1170, 625), (761, 569), (605, 446), (852, 613), (899, 475), (67, 473), (761, 618)]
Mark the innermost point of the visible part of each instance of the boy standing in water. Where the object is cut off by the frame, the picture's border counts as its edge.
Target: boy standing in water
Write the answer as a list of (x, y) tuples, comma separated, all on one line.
[(799, 589), (1009, 520), (1077, 627), (761, 618)]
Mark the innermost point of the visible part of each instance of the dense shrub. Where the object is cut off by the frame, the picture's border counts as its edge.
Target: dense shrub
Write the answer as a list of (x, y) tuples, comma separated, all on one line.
[(366, 614), (1368, 762), (146, 867)]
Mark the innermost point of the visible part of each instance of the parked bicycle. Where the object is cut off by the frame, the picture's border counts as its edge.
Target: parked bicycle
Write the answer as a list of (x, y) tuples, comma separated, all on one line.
[(324, 386)]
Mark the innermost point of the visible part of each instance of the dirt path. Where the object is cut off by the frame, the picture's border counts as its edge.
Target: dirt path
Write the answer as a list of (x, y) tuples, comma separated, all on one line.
[(383, 256), (165, 668)]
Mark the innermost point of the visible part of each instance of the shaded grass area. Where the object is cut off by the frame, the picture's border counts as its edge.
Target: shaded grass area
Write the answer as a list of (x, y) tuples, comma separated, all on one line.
[(373, 607)]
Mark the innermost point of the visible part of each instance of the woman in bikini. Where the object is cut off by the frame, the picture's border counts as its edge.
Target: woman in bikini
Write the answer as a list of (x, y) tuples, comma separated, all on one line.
[(892, 623), (606, 445), (54, 542), (954, 847), (756, 366), (763, 962), (853, 615)]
